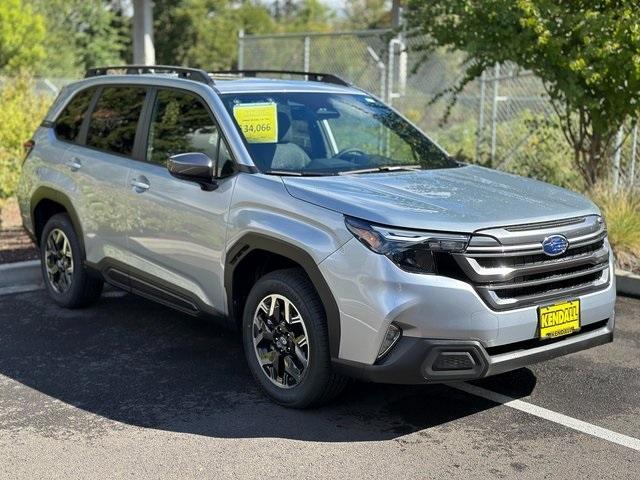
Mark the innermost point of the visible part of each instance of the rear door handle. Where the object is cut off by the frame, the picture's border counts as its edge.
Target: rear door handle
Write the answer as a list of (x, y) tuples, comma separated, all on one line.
[(140, 184), (74, 164)]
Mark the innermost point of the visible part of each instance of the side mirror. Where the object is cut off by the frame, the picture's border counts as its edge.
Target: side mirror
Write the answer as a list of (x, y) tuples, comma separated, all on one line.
[(194, 167)]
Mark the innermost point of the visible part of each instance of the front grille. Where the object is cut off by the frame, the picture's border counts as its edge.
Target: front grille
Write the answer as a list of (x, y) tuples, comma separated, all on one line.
[(510, 272)]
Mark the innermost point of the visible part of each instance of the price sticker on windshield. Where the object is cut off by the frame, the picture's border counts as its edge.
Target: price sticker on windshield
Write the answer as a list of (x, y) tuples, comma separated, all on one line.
[(258, 121)]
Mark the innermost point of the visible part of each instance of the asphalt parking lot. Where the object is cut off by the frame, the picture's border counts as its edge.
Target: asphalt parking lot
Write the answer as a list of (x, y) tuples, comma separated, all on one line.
[(129, 388)]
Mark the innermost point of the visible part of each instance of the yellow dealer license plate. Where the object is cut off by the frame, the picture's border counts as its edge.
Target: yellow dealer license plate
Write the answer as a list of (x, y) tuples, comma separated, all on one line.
[(559, 319)]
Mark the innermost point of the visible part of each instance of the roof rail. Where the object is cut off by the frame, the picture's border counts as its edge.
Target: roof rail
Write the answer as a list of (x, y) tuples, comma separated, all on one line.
[(195, 74), (313, 76)]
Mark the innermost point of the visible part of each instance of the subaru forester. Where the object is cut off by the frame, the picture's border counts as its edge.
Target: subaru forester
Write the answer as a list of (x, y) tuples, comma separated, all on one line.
[(334, 234)]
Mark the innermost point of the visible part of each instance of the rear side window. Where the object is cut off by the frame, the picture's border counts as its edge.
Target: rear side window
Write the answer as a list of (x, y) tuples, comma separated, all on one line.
[(115, 118), (70, 120), (180, 123)]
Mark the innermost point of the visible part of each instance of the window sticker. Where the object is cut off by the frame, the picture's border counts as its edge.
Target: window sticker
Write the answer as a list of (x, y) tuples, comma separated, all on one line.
[(258, 121)]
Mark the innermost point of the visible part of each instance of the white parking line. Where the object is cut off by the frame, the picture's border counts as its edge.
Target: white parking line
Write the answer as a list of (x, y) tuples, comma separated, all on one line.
[(552, 416)]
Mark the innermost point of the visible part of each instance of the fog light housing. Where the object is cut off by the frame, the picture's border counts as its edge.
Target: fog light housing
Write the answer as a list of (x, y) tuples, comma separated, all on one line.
[(391, 337)]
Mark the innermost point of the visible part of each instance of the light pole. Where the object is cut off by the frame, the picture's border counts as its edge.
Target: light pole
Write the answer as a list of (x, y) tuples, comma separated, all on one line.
[(143, 51)]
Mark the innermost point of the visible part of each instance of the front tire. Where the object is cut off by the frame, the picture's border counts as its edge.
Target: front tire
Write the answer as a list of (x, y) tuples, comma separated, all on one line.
[(62, 262), (286, 341)]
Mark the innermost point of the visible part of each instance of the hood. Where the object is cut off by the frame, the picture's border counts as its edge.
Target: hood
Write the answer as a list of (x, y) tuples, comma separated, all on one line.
[(463, 199)]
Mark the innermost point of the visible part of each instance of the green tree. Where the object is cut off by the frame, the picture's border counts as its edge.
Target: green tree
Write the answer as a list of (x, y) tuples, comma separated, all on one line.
[(307, 16), (366, 14), (587, 53), (81, 34), (204, 33), (22, 111), (22, 35)]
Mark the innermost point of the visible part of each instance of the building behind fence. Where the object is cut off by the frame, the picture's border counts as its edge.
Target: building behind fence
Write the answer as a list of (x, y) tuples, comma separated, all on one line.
[(499, 120)]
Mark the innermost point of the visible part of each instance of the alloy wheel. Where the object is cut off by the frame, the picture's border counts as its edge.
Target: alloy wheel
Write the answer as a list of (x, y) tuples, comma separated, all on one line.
[(280, 341), (58, 261)]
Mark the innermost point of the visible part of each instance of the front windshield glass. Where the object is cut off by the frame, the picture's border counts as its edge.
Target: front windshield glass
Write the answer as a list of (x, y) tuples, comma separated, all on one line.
[(328, 134)]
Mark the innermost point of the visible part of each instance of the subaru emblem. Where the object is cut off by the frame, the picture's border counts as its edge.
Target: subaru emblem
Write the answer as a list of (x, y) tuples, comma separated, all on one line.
[(555, 245)]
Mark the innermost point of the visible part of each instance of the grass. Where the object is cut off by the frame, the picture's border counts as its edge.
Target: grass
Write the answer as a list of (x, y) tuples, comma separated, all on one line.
[(621, 211)]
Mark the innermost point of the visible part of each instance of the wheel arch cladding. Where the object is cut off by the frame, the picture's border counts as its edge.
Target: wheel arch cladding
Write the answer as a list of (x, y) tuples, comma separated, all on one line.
[(46, 202), (281, 254)]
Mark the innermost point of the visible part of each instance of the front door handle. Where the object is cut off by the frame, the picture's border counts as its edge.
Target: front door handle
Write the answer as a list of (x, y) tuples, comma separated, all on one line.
[(140, 184), (74, 164)]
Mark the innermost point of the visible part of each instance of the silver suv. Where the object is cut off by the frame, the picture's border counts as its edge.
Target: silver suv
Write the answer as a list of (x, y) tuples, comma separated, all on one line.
[(332, 232)]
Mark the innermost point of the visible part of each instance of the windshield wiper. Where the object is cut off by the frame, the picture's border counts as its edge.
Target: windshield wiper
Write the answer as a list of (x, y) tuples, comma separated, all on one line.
[(297, 173), (388, 168)]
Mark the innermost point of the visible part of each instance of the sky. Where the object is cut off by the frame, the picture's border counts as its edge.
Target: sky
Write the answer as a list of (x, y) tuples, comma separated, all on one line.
[(335, 4)]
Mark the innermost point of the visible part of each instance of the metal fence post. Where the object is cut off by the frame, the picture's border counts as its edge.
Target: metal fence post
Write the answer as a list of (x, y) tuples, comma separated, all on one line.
[(390, 68), (241, 49), (480, 129), (494, 112), (616, 158), (391, 61), (51, 86), (634, 152), (307, 54)]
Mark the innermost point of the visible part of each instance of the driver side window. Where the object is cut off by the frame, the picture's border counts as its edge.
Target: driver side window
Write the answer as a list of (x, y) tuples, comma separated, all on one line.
[(180, 123)]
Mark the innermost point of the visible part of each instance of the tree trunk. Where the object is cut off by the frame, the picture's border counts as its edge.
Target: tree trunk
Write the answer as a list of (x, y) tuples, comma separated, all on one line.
[(593, 160)]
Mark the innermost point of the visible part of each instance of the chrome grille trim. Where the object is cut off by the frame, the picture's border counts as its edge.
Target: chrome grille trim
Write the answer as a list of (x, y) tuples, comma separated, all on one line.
[(513, 274), (533, 248), (528, 300), (545, 280), (478, 273)]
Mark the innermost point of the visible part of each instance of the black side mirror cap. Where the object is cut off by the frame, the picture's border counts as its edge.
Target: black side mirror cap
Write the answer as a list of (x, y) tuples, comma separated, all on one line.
[(194, 167)]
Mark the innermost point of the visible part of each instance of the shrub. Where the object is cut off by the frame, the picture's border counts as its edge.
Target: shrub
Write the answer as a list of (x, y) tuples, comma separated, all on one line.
[(22, 110), (621, 211)]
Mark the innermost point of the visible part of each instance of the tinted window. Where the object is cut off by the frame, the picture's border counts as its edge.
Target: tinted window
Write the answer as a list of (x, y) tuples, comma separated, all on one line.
[(70, 120), (180, 123), (115, 118)]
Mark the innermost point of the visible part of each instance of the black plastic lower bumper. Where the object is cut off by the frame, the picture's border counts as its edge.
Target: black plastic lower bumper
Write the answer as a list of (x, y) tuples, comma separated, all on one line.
[(419, 360)]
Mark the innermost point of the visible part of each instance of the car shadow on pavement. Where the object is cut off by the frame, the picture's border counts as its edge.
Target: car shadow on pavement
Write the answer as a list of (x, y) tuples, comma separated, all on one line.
[(139, 363)]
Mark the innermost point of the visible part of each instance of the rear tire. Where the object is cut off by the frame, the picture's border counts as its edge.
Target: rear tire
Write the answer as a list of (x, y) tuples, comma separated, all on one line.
[(288, 353), (62, 262)]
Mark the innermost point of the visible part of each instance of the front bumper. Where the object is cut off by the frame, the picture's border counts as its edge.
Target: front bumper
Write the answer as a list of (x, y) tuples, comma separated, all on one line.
[(372, 292), (415, 360)]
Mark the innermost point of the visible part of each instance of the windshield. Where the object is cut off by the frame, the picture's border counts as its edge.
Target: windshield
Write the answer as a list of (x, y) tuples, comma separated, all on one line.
[(302, 133)]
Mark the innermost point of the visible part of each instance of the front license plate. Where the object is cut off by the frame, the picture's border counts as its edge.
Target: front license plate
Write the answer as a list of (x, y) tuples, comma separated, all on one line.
[(559, 319)]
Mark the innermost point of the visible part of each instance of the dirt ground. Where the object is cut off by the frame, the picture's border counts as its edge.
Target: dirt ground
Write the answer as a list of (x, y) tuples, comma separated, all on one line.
[(15, 245)]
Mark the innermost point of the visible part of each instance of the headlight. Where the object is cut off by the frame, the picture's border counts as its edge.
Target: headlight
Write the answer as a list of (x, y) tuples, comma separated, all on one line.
[(410, 250)]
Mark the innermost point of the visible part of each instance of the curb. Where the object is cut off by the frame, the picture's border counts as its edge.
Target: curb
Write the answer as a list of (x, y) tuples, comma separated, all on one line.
[(20, 277), (627, 283)]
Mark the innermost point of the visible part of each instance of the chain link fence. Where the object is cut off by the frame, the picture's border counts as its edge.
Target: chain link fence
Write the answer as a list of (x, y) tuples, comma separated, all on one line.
[(357, 56), (500, 120)]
